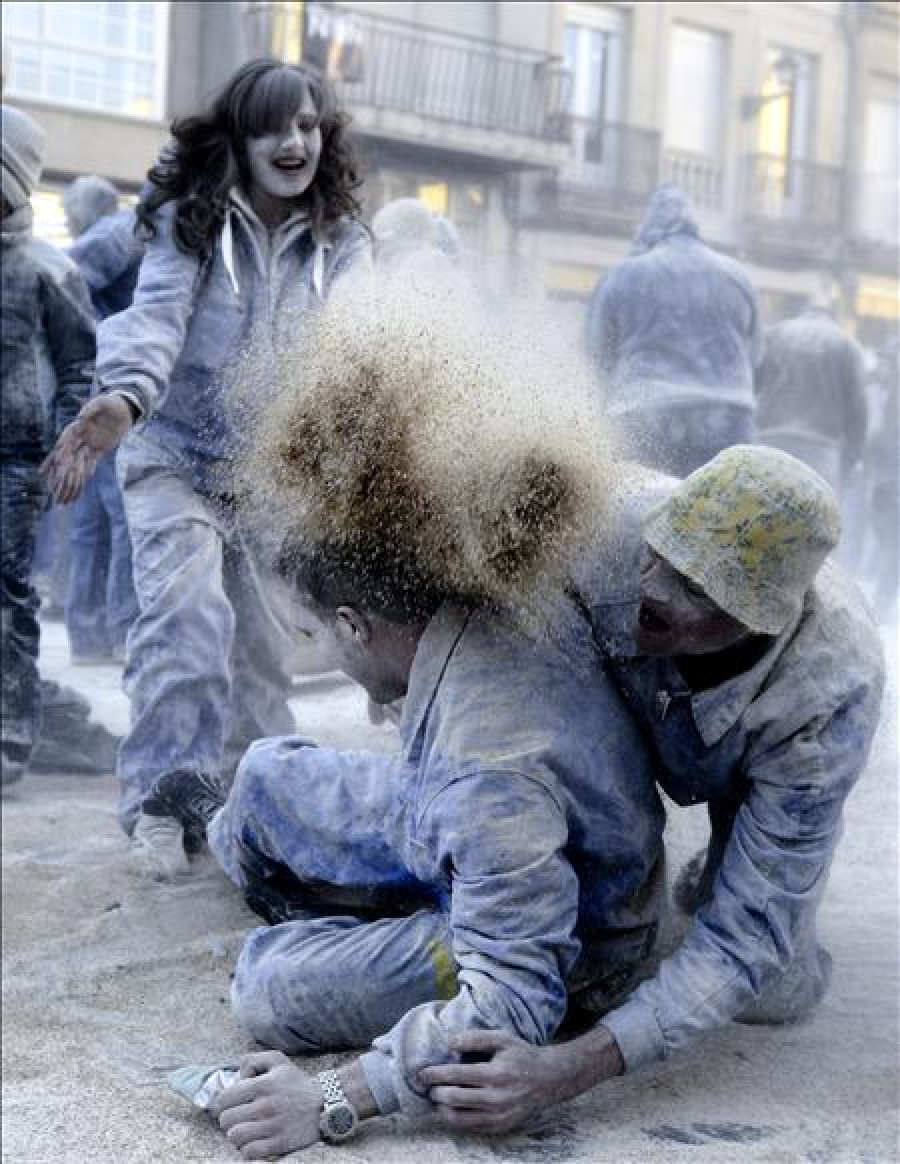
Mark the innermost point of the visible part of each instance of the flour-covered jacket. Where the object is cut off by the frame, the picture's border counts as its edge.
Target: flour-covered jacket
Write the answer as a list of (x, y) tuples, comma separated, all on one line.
[(534, 810), (531, 810), (790, 738), (677, 324), (192, 319), (47, 316)]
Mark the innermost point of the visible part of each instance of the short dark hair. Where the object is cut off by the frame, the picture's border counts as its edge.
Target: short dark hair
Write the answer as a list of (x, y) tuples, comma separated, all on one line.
[(362, 574), (207, 157)]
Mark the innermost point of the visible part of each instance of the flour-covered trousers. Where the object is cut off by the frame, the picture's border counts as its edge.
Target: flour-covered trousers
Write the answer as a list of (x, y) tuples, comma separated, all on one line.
[(336, 818), (204, 658), (21, 501)]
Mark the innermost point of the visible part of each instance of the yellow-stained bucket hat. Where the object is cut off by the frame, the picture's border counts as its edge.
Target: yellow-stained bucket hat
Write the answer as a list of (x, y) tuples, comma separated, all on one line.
[(751, 528)]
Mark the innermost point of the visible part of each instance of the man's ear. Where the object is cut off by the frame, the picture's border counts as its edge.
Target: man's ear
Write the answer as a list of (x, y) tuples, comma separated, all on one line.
[(353, 627)]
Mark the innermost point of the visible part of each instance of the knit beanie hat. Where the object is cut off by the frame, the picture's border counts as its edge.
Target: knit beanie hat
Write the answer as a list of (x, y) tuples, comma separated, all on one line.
[(22, 155), (751, 528)]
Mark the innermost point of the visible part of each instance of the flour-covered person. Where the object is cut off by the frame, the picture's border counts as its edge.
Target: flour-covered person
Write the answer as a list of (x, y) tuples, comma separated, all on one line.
[(755, 672), (250, 221), (508, 861), (675, 333), (47, 320)]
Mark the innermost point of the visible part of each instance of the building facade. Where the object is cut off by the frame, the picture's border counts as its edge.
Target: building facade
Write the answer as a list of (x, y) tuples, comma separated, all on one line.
[(540, 129)]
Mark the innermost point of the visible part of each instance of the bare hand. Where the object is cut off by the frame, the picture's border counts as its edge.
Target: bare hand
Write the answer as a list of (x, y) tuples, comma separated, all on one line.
[(96, 430), (273, 1109), (518, 1080)]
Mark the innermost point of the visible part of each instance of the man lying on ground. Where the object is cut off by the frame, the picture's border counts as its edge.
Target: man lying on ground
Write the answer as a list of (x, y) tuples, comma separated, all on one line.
[(510, 857), (756, 673)]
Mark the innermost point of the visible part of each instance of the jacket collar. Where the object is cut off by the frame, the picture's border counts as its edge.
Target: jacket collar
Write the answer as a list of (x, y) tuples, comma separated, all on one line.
[(295, 224), (432, 656), (717, 711)]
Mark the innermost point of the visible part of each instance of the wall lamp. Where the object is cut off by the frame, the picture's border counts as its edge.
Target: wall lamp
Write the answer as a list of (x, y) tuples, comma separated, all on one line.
[(784, 70)]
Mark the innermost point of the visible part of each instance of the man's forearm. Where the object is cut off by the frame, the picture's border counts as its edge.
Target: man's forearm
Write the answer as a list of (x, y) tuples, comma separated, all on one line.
[(585, 1062)]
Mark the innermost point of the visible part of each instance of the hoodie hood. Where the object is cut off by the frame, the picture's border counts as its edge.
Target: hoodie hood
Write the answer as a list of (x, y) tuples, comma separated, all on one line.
[(87, 200), (668, 214)]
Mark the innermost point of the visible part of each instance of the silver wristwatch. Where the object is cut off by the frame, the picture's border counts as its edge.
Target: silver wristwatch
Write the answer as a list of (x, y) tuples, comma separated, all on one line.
[(338, 1120)]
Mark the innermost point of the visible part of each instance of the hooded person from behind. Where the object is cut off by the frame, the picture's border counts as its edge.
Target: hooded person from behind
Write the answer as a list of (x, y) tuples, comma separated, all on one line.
[(674, 333), (86, 201), (106, 249), (811, 396)]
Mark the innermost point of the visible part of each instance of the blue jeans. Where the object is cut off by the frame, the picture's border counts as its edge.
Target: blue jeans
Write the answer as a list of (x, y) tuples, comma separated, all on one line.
[(204, 670), (338, 819), (101, 603), (21, 502)]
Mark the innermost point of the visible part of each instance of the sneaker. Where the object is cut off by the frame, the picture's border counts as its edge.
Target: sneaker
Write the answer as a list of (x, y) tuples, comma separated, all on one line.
[(191, 798), (11, 772), (87, 749), (158, 847)]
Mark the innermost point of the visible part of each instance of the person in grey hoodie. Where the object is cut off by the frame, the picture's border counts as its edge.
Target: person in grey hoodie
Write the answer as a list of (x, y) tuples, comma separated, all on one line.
[(811, 394), (101, 604), (250, 222), (675, 334), (45, 308)]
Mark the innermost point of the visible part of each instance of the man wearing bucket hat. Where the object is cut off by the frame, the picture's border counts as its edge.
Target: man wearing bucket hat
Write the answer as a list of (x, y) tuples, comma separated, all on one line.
[(756, 673)]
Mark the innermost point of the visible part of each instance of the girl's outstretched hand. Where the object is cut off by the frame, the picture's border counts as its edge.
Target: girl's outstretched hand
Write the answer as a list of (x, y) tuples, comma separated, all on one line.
[(97, 429)]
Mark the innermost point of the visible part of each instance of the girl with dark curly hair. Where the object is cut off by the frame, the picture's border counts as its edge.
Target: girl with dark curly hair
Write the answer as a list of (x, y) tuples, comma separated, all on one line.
[(250, 218)]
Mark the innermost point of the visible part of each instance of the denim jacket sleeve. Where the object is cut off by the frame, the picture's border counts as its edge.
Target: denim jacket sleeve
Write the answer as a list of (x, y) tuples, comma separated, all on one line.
[(513, 911), (70, 334), (138, 348), (768, 886)]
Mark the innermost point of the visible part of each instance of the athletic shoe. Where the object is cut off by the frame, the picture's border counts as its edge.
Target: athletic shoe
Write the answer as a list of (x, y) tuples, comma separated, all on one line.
[(191, 798), (158, 847)]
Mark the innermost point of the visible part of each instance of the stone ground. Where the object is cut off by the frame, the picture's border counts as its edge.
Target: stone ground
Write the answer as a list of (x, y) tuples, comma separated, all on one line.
[(111, 980)]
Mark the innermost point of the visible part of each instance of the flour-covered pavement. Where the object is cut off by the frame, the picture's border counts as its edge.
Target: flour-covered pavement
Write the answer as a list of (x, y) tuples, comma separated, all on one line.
[(111, 980)]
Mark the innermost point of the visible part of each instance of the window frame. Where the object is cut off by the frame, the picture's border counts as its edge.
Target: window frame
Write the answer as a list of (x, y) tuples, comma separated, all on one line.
[(720, 127), (42, 42)]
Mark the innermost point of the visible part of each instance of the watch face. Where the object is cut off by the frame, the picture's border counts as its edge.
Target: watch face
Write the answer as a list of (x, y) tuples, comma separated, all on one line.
[(338, 1121)]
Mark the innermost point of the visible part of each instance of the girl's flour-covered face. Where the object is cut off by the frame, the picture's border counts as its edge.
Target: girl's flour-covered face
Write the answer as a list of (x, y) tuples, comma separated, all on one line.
[(283, 164)]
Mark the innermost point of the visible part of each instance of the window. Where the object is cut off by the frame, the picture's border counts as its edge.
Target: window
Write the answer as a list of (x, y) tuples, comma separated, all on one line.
[(696, 73), (785, 121), (785, 133), (108, 56), (880, 194), (594, 56)]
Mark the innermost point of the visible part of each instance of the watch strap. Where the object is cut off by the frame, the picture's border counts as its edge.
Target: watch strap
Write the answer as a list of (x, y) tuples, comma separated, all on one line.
[(332, 1090)]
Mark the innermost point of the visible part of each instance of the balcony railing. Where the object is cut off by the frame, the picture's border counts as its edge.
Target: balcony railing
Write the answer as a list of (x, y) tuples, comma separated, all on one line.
[(396, 66), (611, 171), (701, 177), (792, 207)]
